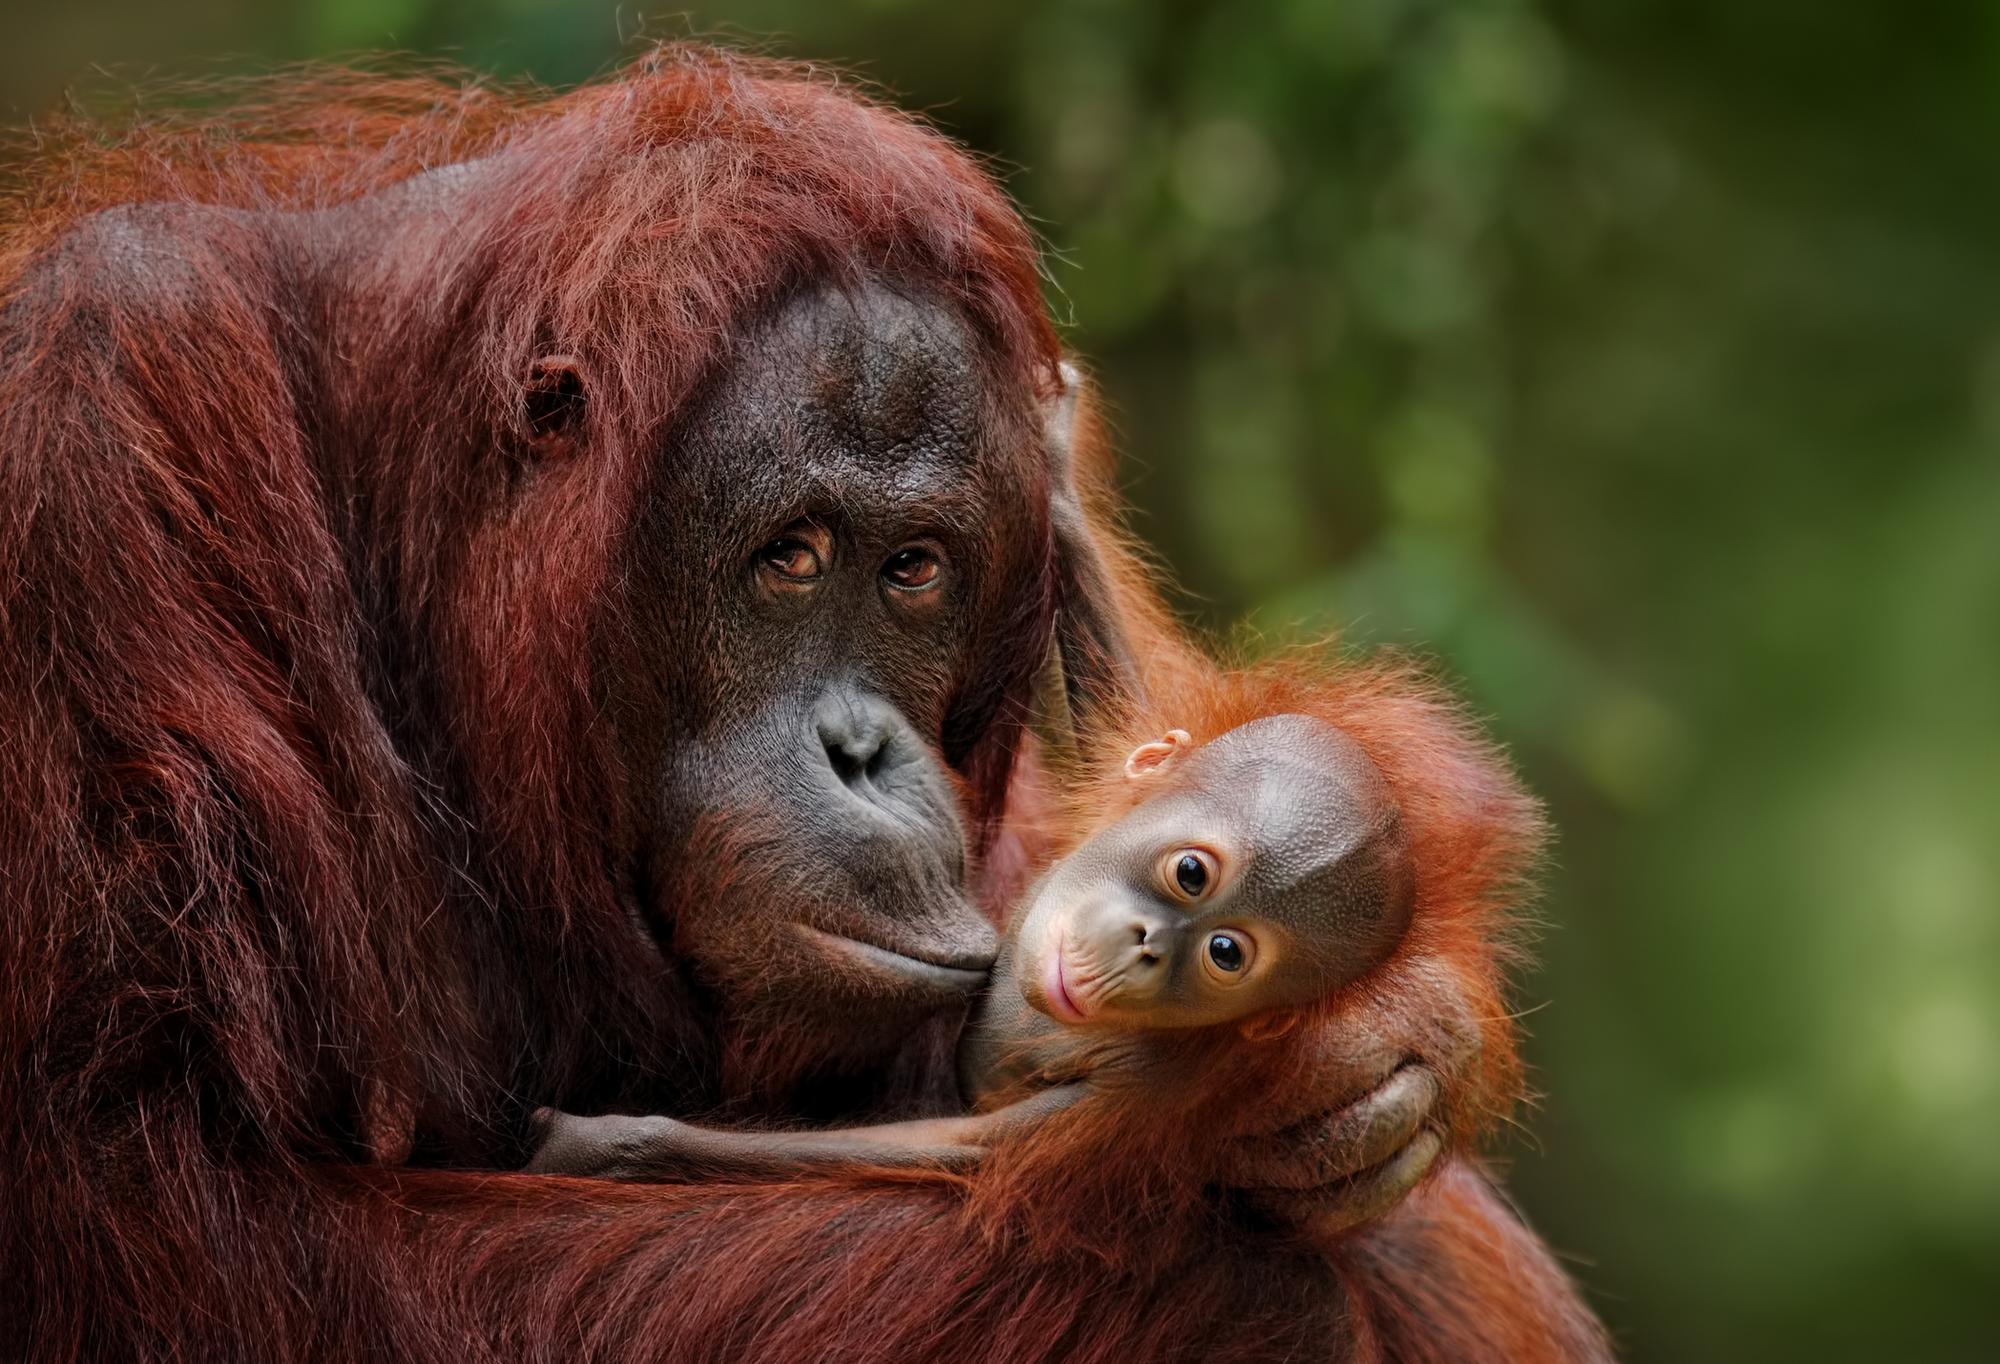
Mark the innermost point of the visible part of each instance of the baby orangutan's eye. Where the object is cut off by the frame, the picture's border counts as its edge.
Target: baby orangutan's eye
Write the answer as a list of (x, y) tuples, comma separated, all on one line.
[(1227, 955), (1190, 873)]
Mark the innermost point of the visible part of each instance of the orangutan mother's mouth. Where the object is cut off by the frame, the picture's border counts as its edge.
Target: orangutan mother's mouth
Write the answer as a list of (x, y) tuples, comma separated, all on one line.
[(961, 973)]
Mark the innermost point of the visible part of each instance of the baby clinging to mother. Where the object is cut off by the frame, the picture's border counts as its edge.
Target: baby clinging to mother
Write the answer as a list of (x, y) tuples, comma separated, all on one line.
[(1257, 874)]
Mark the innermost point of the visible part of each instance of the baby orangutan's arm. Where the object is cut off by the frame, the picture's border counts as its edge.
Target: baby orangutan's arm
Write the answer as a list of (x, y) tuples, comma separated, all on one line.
[(642, 1149)]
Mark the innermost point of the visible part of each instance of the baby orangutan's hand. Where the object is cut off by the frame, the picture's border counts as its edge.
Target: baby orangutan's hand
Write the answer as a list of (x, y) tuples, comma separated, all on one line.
[(1403, 1068), (1333, 1171)]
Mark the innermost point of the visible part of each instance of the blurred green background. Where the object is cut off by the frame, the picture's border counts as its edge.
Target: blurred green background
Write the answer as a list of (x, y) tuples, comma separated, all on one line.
[(1641, 361)]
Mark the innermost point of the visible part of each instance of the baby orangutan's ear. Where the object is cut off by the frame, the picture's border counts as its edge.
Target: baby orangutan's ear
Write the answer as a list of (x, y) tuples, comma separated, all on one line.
[(1149, 760), (1267, 1027)]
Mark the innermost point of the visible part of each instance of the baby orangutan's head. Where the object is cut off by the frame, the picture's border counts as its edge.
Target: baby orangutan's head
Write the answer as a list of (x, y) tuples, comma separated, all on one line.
[(1261, 871)]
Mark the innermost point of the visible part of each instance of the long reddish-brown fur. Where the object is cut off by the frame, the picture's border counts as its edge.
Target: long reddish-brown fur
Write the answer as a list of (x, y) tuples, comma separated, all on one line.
[(305, 800)]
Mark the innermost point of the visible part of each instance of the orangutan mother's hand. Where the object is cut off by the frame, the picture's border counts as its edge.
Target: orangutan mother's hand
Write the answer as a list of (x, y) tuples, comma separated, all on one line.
[(1388, 1085)]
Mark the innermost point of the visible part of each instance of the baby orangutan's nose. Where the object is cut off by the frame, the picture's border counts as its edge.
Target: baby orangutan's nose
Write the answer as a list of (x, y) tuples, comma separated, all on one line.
[(1149, 944), (1131, 948)]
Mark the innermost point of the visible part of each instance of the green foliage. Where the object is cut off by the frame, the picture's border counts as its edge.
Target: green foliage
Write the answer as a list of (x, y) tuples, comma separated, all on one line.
[(1639, 362)]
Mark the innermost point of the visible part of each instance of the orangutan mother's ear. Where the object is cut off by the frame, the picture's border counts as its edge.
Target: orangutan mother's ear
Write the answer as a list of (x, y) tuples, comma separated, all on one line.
[(552, 405), (1099, 677)]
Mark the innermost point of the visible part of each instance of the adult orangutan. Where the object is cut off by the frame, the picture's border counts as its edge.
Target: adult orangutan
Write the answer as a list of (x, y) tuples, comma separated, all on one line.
[(515, 601)]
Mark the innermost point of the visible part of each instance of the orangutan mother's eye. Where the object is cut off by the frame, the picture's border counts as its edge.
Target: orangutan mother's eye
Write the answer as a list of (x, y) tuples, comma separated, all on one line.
[(797, 558), (912, 568)]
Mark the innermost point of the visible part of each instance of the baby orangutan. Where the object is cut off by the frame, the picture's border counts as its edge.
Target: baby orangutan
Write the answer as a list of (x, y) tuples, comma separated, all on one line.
[(1255, 875)]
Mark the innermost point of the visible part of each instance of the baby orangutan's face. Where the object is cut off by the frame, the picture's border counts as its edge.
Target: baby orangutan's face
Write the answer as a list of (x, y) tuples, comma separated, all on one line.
[(1266, 869)]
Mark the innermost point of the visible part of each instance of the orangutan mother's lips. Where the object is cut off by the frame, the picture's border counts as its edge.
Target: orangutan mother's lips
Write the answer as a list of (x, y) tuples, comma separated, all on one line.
[(961, 973)]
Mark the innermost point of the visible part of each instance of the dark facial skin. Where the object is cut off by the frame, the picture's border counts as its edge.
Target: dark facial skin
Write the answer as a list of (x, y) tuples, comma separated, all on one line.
[(812, 680), (1266, 870)]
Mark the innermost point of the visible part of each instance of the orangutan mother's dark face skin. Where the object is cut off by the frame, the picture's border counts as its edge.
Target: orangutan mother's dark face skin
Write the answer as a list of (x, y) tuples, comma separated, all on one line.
[(839, 523)]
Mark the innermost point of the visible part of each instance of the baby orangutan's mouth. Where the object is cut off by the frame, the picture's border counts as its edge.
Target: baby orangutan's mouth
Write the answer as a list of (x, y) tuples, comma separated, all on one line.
[(1063, 1006)]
